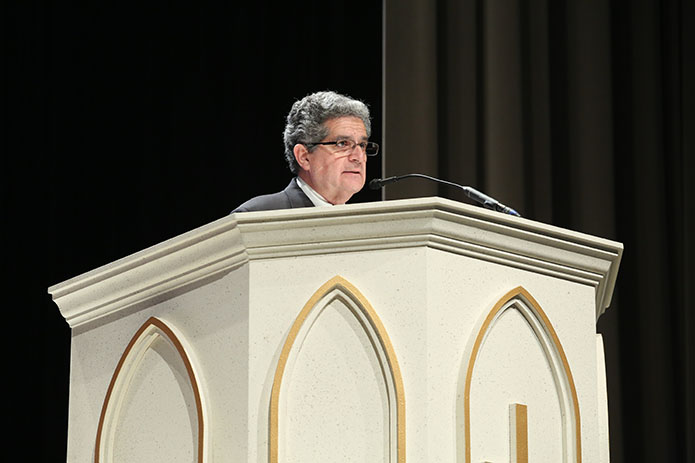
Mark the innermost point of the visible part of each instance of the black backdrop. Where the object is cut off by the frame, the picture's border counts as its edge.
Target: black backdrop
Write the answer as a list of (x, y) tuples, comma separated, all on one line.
[(124, 127), (128, 126)]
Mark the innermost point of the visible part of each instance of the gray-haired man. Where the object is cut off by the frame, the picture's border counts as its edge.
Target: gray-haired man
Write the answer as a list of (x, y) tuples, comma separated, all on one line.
[(326, 146)]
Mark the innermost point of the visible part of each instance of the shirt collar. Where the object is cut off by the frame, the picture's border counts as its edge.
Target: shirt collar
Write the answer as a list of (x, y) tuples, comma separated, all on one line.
[(313, 196)]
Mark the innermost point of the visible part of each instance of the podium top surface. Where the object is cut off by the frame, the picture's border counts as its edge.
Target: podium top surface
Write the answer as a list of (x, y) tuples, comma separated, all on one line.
[(231, 241)]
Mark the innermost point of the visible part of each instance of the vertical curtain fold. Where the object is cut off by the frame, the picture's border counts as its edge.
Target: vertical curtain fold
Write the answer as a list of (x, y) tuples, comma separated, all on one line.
[(578, 114)]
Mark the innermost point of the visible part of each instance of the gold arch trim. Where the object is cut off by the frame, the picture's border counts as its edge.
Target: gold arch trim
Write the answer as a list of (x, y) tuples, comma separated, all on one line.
[(383, 338), (163, 328), (513, 294)]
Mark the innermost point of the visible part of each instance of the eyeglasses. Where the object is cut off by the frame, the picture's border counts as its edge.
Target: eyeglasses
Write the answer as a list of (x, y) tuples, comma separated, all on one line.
[(346, 146)]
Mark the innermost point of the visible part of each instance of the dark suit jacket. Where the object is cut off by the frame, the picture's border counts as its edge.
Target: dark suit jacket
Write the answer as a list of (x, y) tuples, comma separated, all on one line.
[(289, 198)]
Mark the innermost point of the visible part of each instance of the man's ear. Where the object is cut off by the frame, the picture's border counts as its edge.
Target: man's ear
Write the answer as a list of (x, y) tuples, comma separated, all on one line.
[(301, 154)]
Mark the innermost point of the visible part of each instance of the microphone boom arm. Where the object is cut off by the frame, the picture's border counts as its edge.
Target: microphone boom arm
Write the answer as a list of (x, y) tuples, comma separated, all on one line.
[(485, 200)]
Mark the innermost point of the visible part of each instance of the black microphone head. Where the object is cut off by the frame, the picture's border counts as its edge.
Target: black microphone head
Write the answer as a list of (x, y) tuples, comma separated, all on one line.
[(375, 184)]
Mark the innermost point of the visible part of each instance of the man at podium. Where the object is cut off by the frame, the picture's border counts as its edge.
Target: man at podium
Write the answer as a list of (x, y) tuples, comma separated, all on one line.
[(326, 146)]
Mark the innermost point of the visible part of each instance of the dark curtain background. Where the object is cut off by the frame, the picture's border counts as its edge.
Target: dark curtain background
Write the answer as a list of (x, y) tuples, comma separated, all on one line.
[(581, 114), (124, 127)]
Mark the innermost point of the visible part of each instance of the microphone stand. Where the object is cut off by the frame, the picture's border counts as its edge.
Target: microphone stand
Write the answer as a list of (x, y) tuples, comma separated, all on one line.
[(485, 200)]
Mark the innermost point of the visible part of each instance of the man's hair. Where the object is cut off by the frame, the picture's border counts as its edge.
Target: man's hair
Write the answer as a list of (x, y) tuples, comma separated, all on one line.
[(307, 116)]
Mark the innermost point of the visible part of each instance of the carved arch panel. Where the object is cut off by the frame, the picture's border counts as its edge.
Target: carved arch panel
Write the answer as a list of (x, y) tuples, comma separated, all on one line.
[(340, 314), (153, 409), (521, 311)]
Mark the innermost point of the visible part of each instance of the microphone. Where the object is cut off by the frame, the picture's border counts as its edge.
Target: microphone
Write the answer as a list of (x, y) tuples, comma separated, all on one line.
[(475, 195)]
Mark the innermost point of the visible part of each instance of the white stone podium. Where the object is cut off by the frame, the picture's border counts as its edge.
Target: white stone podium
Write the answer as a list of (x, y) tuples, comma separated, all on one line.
[(420, 330)]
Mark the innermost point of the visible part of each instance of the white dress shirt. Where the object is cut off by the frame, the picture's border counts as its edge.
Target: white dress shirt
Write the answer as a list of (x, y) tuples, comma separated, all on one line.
[(314, 197)]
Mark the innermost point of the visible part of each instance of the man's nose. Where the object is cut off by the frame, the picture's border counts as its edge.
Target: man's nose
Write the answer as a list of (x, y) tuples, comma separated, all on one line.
[(357, 154)]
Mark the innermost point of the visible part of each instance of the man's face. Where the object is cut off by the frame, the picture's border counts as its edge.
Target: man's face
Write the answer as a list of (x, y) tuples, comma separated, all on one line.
[(334, 174)]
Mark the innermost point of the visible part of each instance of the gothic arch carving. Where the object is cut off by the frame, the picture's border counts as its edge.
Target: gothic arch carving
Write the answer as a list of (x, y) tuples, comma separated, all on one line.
[(339, 288), (153, 332), (521, 300)]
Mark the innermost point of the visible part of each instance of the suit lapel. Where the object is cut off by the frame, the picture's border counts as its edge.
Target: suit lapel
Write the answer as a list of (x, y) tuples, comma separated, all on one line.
[(296, 196)]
